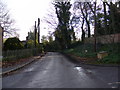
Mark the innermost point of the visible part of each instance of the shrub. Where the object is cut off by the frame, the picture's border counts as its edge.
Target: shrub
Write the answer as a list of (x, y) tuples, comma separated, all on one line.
[(13, 44)]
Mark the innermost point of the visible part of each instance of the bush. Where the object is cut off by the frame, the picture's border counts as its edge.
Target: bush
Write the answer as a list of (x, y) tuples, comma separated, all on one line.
[(30, 44), (13, 44)]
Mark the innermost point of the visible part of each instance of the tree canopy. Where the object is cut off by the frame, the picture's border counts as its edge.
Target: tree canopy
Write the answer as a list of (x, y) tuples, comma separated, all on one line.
[(62, 33), (13, 44)]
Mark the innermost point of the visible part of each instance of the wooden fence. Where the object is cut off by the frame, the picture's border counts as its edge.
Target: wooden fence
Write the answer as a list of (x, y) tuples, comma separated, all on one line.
[(18, 54)]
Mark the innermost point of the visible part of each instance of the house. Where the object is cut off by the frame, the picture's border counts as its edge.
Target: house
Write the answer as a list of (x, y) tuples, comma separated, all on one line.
[(24, 42)]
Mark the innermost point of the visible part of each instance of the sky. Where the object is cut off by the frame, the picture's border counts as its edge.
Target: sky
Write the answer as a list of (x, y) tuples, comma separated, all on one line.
[(26, 12)]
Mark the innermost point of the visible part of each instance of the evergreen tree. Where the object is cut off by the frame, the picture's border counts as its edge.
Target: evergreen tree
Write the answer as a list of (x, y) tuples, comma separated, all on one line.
[(62, 33)]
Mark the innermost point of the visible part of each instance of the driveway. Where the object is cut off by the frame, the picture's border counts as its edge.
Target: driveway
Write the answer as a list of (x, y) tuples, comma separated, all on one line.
[(56, 71)]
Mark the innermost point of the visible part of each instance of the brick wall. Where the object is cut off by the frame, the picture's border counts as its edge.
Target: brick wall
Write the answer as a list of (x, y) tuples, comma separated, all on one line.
[(105, 39)]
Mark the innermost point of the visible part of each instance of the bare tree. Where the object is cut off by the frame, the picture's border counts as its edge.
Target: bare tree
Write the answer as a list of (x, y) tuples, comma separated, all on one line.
[(6, 22), (83, 15), (51, 18)]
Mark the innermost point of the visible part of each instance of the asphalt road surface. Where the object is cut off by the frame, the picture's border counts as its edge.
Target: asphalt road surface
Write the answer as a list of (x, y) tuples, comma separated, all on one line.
[(56, 71)]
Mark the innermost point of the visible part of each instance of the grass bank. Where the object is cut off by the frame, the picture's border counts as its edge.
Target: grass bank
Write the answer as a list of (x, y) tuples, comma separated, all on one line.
[(86, 52)]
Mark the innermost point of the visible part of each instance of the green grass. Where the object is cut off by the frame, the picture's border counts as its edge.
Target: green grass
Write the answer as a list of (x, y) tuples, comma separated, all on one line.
[(112, 49), (113, 53), (80, 51), (112, 58)]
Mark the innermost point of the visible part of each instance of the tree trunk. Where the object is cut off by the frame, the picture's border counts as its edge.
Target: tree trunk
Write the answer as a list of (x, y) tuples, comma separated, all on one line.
[(88, 24), (95, 29), (119, 4), (85, 15), (112, 17), (95, 25), (105, 17), (83, 32), (38, 30)]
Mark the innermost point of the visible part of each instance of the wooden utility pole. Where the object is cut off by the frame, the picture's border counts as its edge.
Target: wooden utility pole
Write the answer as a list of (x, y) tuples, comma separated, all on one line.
[(38, 30), (35, 34)]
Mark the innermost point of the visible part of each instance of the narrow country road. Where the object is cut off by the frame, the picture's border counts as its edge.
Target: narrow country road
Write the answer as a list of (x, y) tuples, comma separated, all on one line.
[(56, 71)]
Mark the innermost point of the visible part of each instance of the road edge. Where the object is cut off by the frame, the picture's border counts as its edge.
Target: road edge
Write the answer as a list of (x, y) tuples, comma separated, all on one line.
[(74, 60), (22, 66)]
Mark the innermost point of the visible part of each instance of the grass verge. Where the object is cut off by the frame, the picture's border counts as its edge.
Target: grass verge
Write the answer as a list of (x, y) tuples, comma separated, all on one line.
[(86, 52)]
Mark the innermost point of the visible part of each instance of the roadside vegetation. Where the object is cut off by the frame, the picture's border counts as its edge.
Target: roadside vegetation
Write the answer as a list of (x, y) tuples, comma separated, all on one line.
[(87, 51), (104, 17), (15, 51)]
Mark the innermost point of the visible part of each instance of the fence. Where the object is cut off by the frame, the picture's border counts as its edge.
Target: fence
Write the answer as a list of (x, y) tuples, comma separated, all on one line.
[(105, 39), (18, 54)]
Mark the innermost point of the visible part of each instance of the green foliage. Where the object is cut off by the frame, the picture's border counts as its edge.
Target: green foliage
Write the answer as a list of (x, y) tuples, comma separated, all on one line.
[(31, 40), (13, 44), (112, 49), (107, 19), (30, 44), (44, 40), (31, 35), (62, 33), (112, 58), (80, 50), (50, 44), (50, 39), (114, 16)]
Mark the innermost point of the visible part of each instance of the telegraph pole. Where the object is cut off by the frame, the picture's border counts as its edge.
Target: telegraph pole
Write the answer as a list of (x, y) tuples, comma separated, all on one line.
[(35, 34), (38, 30)]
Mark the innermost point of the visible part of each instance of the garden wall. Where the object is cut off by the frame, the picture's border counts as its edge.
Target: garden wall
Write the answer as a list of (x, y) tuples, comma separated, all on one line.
[(105, 39)]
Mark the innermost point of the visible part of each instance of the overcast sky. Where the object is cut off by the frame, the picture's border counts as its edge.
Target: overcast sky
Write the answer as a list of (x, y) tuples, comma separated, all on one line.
[(25, 12)]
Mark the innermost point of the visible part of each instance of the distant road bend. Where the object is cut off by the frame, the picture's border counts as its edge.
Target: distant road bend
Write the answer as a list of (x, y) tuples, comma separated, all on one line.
[(56, 71)]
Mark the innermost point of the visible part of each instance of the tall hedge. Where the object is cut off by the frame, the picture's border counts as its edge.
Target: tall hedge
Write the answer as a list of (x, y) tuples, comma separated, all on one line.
[(13, 44)]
